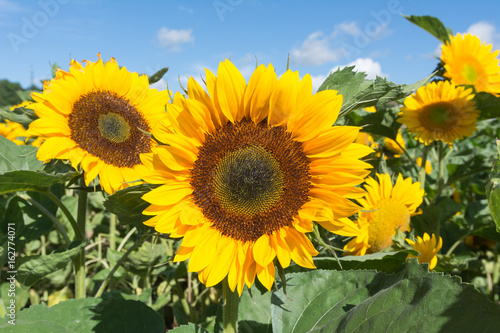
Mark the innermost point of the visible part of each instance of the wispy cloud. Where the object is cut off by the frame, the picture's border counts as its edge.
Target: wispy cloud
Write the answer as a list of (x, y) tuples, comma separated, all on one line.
[(345, 41), (371, 67), (486, 32), (173, 38)]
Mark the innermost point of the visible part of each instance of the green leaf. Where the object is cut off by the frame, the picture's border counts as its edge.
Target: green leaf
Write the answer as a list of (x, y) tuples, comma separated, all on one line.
[(22, 116), (432, 25), (358, 92), (32, 268), (31, 180), (412, 300), (388, 262), (158, 75), (253, 311), (15, 158), (435, 215), (493, 192), (128, 205), (87, 315), (488, 104), (190, 328)]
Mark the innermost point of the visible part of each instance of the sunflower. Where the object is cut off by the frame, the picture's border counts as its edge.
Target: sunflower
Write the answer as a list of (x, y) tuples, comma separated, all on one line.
[(440, 111), (392, 145), (13, 131), (246, 169), (428, 247), (428, 165), (467, 61), (386, 208), (97, 116)]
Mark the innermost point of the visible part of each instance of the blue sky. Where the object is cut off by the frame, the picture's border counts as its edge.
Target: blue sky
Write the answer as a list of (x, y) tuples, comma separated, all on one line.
[(188, 36)]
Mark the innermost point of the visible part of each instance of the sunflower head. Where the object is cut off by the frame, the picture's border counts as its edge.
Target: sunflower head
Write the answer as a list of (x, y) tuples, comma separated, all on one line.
[(470, 62), (98, 115), (428, 247), (395, 146), (246, 169), (386, 209), (440, 111), (13, 131)]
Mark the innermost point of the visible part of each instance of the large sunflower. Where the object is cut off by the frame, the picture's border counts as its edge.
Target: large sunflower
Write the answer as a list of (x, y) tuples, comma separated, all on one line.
[(247, 168), (440, 111), (97, 116), (468, 61), (386, 208)]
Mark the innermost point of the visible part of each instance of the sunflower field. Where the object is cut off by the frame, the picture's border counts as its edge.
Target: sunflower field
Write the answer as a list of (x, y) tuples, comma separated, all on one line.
[(259, 206)]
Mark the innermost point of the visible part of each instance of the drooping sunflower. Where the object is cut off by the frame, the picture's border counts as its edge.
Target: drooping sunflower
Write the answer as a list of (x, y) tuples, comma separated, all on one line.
[(440, 111), (247, 168), (386, 208), (428, 247), (97, 116), (392, 145), (468, 61)]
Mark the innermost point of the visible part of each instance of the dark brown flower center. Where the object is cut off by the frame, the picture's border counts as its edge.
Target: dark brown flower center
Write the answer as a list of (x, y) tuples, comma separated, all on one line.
[(250, 179), (109, 127)]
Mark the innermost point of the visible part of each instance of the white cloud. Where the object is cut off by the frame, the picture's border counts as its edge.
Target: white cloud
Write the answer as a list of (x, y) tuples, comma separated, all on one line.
[(315, 50), (486, 32), (173, 38), (160, 85), (317, 80), (367, 65), (350, 28)]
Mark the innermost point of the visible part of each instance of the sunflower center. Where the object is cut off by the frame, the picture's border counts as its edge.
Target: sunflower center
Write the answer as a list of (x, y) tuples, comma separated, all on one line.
[(389, 216), (109, 127), (438, 116), (114, 127), (470, 74), (250, 179)]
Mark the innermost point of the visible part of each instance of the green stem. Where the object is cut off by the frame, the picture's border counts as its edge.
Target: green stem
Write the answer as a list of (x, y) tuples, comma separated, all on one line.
[(79, 261), (118, 264), (112, 232), (440, 170), (230, 309), (413, 163), (51, 217), (78, 233)]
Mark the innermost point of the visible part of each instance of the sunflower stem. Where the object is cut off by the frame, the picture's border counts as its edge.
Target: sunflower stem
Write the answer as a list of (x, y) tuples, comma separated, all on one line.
[(112, 232), (230, 309), (79, 261)]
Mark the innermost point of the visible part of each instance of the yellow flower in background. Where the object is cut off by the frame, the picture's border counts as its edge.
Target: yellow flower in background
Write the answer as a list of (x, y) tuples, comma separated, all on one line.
[(428, 165), (246, 169), (13, 131), (96, 115), (386, 208), (370, 109), (21, 105), (393, 147), (365, 139), (440, 111), (468, 61), (428, 247)]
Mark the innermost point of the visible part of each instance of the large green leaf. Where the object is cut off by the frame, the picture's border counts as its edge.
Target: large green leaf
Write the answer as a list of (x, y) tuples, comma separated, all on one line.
[(22, 116), (488, 104), (32, 268), (87, 315), (493, 192), (14, 157), (432, 25), (253, 311), (358, 92), (25, 180), (190, 328), (412, 300), (434, 216), (388, 262), (128, 205)]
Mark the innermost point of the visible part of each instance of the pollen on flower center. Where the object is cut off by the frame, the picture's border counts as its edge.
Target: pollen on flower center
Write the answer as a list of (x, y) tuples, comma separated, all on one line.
[(248, 180), (114, 127), (438, 115), (389, 216), (108, 126)]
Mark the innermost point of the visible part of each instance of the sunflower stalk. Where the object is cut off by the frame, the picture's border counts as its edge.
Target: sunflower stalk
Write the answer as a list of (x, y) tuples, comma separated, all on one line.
[(79, 261), (230, 309)]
